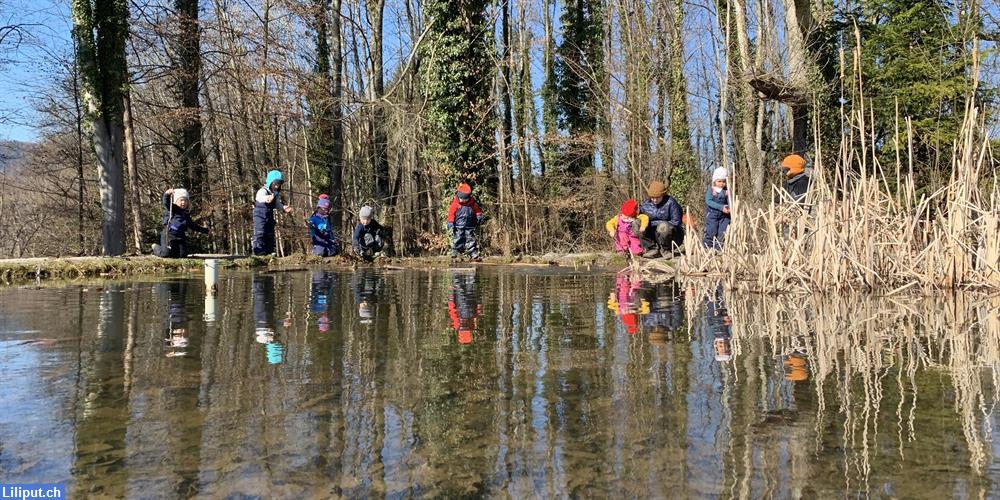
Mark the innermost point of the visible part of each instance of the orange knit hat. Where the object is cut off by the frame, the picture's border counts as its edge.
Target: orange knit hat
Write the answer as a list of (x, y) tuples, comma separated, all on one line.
[(795, 164)]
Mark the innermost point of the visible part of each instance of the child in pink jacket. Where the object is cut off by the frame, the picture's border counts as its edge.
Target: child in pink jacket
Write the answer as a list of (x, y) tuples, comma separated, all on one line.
[(626, 227)]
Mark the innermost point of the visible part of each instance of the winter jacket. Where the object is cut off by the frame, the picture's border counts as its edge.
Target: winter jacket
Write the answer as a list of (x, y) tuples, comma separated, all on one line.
[(374, 229), (797, 186), (178, 221), (464, 214), (715, 202), (626, 232), (668, 211), (321, 232)]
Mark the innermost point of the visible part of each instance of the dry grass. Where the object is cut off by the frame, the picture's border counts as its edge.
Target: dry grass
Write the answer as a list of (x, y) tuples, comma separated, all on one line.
[(857, 234)]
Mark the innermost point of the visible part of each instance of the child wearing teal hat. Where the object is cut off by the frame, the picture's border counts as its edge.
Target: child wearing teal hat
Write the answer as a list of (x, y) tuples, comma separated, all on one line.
[(268, 199)]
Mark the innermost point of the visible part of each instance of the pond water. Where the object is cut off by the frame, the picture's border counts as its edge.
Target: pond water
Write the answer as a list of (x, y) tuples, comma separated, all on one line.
[(493, 382)]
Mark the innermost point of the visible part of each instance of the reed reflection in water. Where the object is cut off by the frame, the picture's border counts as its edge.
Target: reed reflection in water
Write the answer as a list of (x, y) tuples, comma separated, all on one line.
[(489, 382)]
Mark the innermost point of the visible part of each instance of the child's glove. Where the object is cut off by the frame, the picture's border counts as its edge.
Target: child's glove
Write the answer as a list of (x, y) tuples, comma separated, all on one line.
[(451, 226)]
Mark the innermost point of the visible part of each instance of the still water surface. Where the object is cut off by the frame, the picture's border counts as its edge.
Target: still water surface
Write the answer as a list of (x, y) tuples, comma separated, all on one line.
[(496, 382)]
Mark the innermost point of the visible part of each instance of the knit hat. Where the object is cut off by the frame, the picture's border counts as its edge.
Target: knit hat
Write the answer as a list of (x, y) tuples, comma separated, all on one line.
[(656, 189), (324, 196), (630, 208), (465, 336), (721, 173), (272, 177), (795, 164), (323, 203), (181, 193), (365, 212), (464, 191)]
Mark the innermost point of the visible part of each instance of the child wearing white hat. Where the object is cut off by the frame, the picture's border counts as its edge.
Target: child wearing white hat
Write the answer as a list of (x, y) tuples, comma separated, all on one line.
[(176, 222), (717, 209)]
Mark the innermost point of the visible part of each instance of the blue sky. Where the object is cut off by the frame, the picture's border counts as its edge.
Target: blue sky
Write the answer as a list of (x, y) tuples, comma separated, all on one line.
[(29, 67)]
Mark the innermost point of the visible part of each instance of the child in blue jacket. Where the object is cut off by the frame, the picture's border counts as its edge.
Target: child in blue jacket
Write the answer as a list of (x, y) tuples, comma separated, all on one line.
[(717, 209), (323, 241)]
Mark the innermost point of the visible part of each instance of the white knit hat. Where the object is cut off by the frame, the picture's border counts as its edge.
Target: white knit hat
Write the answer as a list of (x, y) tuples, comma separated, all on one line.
[(180, 193), (720, 173)]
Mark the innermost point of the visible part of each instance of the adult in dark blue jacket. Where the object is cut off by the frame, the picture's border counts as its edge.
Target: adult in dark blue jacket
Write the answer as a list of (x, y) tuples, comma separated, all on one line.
[(176, 222), (665, 234)]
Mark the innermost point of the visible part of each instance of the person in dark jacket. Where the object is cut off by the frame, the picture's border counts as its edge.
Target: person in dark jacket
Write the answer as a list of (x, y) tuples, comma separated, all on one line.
[(464, 215), (176, 222), (368, 237), (796, 179), (717, 209), (321, 232), (267, 199), (665, 234)]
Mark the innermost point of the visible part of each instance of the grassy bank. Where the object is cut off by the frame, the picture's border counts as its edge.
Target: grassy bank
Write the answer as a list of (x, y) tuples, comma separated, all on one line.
[(69, 268)]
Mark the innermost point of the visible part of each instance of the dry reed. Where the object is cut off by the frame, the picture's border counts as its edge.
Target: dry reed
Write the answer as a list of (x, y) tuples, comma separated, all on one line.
[(855, 233)]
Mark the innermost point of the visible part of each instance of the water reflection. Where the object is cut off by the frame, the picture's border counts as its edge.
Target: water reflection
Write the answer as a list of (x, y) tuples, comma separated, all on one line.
[(177, 329), (264, 319), (464, 306), (558, 392)]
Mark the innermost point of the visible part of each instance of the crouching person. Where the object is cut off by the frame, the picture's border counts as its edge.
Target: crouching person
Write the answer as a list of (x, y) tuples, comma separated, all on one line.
[(464, 215), (176, 222), (665, 234), (321, 232), (626, 229), (368, 240)]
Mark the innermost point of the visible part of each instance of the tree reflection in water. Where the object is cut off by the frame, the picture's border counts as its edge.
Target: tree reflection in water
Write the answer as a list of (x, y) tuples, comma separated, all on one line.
[(571, 383)]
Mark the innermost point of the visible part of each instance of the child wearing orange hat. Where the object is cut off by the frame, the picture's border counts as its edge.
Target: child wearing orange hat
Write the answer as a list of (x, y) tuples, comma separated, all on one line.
[(627, 227), (464, 215), (796, 179)]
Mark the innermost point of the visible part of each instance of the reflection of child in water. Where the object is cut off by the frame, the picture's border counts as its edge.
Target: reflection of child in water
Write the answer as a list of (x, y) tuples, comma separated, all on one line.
[(463, 307), (626, 303), (263, 315), (721, 327), (176, 340)]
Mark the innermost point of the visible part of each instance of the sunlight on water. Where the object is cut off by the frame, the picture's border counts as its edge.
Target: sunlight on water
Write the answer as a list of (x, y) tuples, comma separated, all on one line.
[(493, 382)]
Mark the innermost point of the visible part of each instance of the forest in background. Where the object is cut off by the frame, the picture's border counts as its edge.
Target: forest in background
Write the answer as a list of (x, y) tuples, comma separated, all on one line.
[(556, 111)]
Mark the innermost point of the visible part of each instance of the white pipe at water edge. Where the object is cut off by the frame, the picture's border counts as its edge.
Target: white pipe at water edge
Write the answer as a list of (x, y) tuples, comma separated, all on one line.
[(211, 276), (210, 307)]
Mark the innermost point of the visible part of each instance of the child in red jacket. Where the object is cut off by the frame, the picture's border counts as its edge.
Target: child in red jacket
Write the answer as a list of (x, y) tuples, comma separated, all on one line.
[(464, 215)]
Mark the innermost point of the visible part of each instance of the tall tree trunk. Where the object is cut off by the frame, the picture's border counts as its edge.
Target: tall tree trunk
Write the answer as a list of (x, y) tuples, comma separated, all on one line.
[(133, 172), (337, 113), (379, 151), (682, 168), (81, 204), (99, 30), (746, 103), (505, 85), (798, 23), (187, 74)]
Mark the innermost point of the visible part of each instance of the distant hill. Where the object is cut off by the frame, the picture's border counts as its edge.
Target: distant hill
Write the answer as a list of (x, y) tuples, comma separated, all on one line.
[(11, 152)]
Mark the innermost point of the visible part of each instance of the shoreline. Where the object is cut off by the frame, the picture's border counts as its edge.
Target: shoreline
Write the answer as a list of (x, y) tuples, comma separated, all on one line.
[(20, 271)]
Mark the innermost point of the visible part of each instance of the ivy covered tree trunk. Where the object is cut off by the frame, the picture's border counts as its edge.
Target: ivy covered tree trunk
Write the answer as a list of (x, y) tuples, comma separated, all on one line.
[(579, 70), (186, 61), (683, 172), (319, 100), (458, 79), (99, 30)]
